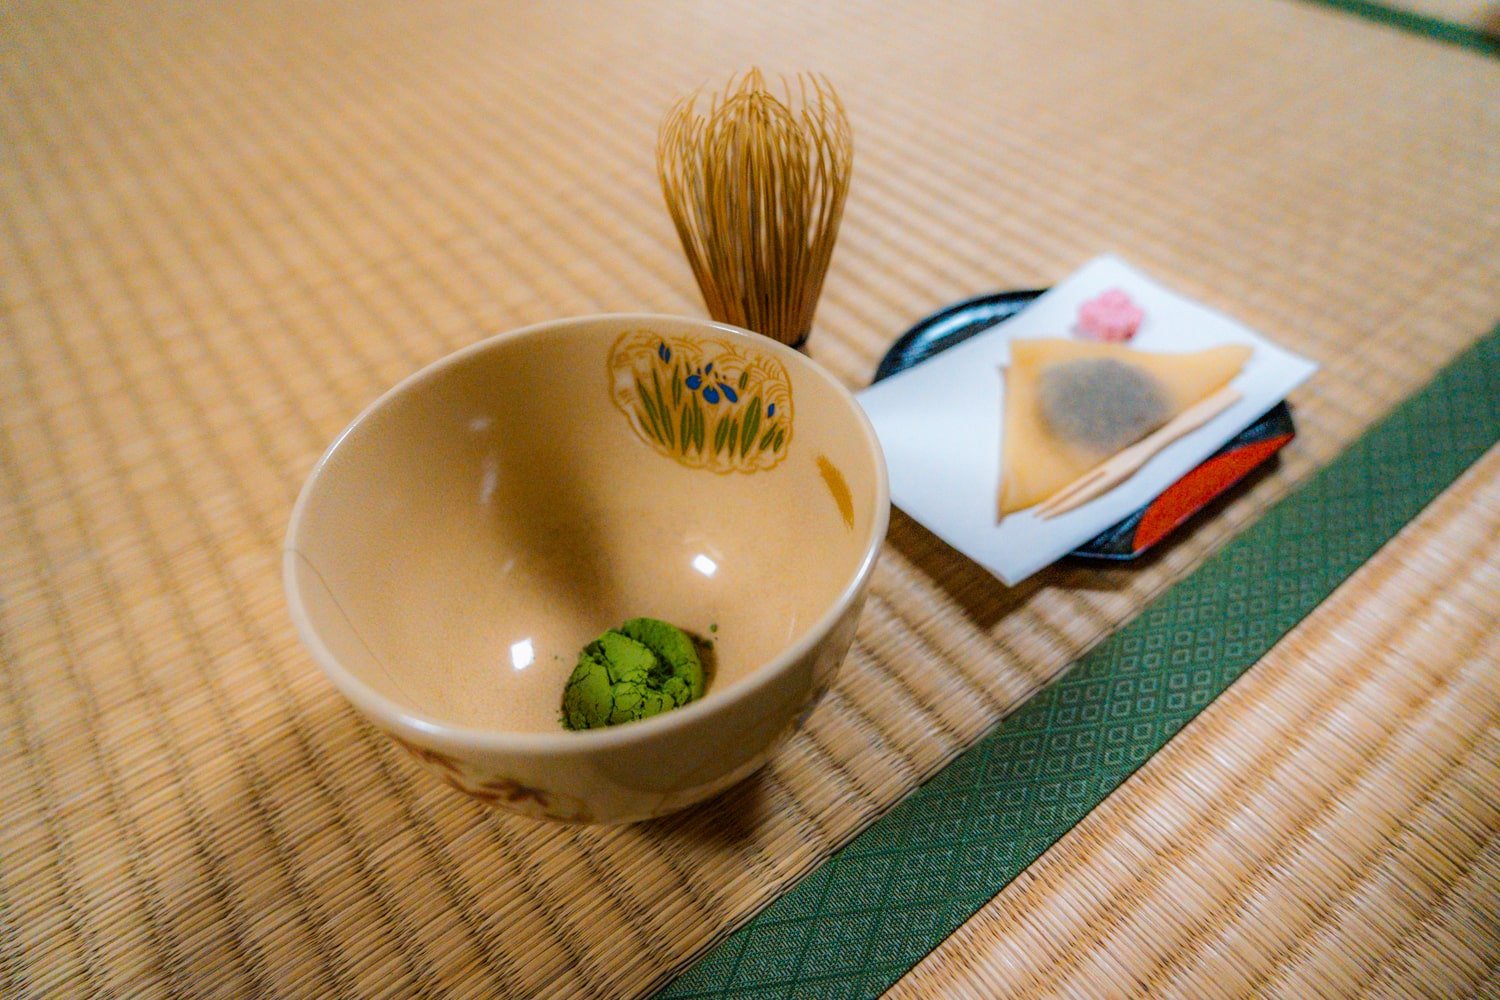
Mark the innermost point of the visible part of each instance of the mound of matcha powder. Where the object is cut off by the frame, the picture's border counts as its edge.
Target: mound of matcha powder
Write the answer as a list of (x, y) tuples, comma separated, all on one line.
[(643, 668)]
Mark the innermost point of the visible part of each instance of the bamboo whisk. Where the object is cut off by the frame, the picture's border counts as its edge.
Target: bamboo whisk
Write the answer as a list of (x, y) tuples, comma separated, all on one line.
[(756, 188)]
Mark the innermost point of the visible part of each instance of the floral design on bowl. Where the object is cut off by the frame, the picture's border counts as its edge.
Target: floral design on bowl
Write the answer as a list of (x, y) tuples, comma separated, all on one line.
[(506, 793), (707, 404)]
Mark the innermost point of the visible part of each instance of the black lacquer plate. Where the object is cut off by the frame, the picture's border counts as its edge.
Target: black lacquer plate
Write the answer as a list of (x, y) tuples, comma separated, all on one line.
[(1133, 536)]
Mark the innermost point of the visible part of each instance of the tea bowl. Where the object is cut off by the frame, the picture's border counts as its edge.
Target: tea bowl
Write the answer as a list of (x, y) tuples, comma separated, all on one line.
[(478, 524)]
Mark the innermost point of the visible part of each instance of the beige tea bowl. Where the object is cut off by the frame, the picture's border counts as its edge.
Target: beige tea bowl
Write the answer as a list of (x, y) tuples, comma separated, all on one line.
[(481, 522)]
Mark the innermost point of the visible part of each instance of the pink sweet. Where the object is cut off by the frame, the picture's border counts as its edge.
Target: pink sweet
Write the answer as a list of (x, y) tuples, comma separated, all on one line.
[(1111, 317)]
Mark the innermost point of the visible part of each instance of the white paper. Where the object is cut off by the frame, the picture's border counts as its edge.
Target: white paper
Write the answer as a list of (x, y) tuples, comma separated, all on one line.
[(940, 422)]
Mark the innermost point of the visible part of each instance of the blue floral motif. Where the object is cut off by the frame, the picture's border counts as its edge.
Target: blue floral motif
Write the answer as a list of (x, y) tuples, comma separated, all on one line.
[(706, 406), (711, 385)]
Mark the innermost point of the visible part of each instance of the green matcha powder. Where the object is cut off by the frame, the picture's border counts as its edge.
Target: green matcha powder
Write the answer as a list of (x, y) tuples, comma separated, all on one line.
[(643, 668)]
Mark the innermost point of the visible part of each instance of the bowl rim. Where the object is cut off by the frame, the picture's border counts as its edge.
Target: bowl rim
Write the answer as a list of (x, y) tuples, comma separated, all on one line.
[(389, 714)]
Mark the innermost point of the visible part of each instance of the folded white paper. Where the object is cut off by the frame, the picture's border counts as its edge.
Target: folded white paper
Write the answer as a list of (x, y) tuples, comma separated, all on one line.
[(940, 421)]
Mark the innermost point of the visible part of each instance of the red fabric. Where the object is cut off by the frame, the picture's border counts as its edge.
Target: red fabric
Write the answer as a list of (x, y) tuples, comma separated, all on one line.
[(1193, 491)]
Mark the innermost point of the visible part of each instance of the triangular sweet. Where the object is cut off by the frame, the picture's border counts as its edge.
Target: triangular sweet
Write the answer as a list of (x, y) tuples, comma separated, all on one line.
[(1062, 379)]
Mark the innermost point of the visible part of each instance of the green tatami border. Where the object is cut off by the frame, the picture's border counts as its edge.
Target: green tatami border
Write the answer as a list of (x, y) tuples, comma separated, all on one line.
[(1417, 24)]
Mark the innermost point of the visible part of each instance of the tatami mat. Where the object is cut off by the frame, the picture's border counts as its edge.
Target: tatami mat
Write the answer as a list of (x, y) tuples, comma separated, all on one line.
[(226, 228)]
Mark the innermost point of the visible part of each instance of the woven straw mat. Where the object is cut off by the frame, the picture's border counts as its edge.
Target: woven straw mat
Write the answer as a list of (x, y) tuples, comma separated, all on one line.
[(228, 227)]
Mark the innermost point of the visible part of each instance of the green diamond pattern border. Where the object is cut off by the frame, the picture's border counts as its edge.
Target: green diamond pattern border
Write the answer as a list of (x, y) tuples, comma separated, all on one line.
[(891, 895)]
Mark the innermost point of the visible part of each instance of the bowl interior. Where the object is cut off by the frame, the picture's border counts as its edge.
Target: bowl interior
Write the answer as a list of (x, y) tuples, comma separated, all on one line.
[(487, 518)]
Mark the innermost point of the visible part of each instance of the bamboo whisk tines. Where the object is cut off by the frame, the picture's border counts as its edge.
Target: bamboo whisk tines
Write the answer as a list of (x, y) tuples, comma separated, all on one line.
[(756, 189)]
